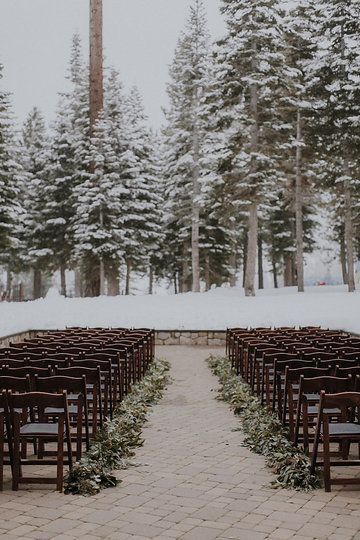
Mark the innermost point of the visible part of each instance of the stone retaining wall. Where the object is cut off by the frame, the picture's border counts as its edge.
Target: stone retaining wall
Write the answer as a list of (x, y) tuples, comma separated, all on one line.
[(211, 338)]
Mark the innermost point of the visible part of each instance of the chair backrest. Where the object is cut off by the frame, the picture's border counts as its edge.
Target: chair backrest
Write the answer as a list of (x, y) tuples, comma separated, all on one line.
[(328, 384), (92, 374), (340, 362), (46, 362), (26, 370), (15, 384), (340, 400), (37, 399), (293, 374), (345, 371), (58, 383), (319, 355)]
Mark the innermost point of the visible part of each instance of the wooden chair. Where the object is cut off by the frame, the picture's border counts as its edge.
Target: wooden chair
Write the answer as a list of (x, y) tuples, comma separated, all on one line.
[(291, 392), (344, 431), (5, 436), (309, 396), (94, 397), (27, 426)]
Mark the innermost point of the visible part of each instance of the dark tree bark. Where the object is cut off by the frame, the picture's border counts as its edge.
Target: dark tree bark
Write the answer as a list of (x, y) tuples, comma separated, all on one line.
[(260, 262), (37, 284), (128, 275), (63, 279)]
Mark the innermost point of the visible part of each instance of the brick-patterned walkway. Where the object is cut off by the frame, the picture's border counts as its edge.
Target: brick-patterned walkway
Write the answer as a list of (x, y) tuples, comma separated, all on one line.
[(195, 482)]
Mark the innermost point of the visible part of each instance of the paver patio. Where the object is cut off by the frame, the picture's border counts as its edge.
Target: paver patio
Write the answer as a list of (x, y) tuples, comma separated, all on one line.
[(195, 482)]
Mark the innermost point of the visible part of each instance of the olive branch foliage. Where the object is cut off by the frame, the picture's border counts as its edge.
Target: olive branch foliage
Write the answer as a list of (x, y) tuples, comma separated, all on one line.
[(263, 431), (115, 443)]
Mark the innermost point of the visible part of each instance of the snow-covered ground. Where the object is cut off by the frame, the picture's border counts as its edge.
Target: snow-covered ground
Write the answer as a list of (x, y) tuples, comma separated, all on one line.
[(329, 307)]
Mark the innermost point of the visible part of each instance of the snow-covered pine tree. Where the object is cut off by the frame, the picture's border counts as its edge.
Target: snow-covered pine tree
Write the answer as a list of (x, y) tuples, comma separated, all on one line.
[(11, 180), (142, 204), (68, 165), (184, 135), (335, 75), (252, 57), (37, 253)]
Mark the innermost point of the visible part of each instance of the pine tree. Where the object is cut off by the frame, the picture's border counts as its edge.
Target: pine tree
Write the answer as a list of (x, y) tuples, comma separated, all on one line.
[(185, 140), (253, 71), (37, 252), (68, 165), (11, 180), (334, 74)]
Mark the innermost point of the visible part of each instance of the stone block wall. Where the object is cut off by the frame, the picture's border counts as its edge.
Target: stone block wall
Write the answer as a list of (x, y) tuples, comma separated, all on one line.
[(211, 338)]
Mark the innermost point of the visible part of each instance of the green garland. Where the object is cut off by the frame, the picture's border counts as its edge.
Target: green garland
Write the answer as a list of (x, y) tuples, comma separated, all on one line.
[(263, 431), (116, 442)]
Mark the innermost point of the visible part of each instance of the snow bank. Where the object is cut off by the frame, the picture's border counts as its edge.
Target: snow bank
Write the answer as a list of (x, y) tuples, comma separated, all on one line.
[(217, 309)]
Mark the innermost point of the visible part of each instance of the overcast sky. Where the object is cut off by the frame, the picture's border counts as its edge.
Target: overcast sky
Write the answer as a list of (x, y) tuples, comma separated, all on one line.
[(139, 38)]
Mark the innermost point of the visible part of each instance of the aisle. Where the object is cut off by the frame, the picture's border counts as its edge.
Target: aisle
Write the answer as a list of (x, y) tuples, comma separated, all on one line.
[(194, 482)]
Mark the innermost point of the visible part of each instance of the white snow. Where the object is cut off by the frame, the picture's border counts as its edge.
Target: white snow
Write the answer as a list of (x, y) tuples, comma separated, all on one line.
[(217, 309)]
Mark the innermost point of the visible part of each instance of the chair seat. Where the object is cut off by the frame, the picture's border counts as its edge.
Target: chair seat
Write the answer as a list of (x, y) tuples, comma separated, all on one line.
[(53, 410), (39, 429), (313, 409), (343, 429)]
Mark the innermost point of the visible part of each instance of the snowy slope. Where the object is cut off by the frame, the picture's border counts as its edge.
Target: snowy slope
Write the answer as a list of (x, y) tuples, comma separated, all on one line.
[(327, 306)]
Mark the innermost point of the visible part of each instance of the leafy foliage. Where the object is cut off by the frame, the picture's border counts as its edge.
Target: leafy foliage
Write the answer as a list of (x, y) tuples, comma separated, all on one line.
[(263, 431), (116, 442)]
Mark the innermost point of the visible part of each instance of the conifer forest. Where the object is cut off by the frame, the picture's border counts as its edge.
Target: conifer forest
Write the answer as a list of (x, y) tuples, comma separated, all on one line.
[(261, 134)]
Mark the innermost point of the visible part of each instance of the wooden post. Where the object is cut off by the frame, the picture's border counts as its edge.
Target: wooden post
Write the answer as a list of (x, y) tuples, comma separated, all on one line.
[(96, 61), (97, 90)]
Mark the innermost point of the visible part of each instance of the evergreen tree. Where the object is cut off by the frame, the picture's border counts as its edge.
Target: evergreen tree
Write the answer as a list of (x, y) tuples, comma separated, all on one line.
[(11, 180), (334, 76), (37, 253), (254, 75), (185, 140)]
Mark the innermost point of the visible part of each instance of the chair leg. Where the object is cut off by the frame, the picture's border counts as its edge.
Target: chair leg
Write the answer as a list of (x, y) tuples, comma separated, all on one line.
[(60, 456), (16, 454), (2, 434), (326, 446)]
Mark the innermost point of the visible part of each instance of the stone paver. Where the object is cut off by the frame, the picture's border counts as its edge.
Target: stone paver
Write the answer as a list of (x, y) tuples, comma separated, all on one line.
[(194, 481)]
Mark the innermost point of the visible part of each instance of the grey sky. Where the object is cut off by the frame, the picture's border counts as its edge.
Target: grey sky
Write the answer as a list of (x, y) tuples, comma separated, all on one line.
[(139, 35)]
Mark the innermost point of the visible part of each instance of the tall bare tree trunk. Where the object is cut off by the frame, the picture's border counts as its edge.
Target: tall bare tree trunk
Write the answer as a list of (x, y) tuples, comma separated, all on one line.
[(37, 284), (274, 270), (101, 261), (113, 282), (253, 217), (349, 232), (128, 275), (176, 283), (97, 90), (232, 258), (245, 248), (8, 284), (151, 279), (63, 279), (299, 203), (343, 258), (288, 270), (260, 262), (195, 218), (207, 271), (96, 61), (78, 283), (251, 251), (185, 269)]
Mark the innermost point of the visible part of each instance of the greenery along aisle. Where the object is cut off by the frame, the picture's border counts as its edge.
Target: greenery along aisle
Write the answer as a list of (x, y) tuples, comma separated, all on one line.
[(263, 431), (116, 442)]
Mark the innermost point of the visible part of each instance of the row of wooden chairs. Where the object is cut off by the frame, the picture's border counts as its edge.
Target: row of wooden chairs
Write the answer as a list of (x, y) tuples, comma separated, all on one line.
[(298, 373), (59, 387)]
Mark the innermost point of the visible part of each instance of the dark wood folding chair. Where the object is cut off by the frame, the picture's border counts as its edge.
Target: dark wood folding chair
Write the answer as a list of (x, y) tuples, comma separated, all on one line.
[(309, 397), (345, 431), (27, 425), (76, 392)]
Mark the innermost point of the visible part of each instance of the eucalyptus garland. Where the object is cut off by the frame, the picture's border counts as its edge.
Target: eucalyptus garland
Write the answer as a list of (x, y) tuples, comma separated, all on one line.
[(263, 431), (116, 442)]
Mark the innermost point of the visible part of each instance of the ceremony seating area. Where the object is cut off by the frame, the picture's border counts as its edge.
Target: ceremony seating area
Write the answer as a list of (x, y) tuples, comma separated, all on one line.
[(58, 388), (310, 378)]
